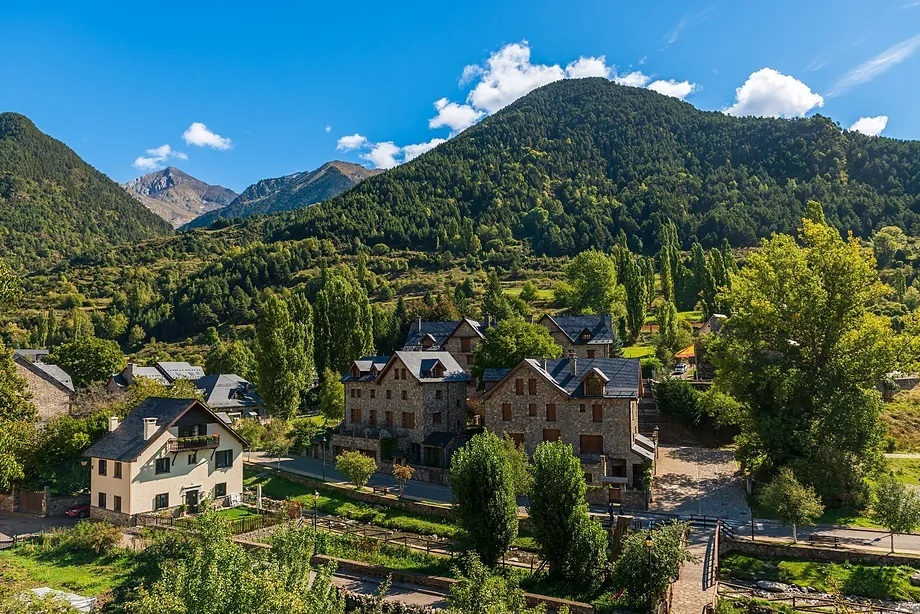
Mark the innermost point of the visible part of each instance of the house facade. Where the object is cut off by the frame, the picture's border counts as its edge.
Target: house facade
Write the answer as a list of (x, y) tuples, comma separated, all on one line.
[(410, 405), (458, 338), (165, 453), (590, 404), (585, 336), (163, 372), (51, 387)]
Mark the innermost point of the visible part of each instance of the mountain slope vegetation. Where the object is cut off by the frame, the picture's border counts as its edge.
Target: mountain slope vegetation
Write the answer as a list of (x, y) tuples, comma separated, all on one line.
[(55, 206), (577, 162), (290, 192), (176, 196)]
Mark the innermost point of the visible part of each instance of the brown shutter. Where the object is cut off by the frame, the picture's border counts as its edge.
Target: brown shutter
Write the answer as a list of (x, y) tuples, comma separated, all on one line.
[(597, 413), (531, 386), (550, 412), (518, 386), (507, 414), (592, 444), (550, 434)]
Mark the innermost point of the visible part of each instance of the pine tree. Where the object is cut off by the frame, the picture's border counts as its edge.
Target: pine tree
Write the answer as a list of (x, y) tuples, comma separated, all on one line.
[(280, 358)]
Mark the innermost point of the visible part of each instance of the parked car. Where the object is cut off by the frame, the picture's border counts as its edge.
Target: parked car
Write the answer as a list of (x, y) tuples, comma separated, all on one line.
[(78, 511)]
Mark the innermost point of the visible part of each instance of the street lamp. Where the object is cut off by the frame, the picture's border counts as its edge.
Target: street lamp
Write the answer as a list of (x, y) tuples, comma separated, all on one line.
[(315, 503), (324, 457), (649, 542)]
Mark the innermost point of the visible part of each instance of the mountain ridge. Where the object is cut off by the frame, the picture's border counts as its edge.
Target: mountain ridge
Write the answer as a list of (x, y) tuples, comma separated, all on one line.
[(176, 196), (289, 192)]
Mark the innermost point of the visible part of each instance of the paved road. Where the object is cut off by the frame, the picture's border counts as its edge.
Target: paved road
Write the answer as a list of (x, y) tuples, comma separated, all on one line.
[(403, 593), (313, 468), (20, 524)]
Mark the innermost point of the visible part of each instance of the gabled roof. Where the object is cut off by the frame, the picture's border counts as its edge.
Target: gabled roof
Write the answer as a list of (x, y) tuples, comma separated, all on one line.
[(32, 355), (418, 363), (438, 332), (599, 326), (50, 373), (127, 442), (622, 375), (180, 370), (227, 391), (366, 367)]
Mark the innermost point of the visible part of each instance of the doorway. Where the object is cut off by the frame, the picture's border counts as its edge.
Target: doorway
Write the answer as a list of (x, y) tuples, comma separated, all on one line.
[(191, 501)]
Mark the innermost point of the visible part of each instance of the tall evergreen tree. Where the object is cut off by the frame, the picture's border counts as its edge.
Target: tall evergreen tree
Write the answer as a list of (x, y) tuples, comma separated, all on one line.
[(302, 315), (634, 281), (494, 302), (280, 358), (343, 324)]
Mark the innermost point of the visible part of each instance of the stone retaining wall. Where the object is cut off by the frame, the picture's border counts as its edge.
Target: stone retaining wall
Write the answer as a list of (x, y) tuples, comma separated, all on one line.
[(8, 501), (818, 554), (116, 518), (432, 475), (56, 506)]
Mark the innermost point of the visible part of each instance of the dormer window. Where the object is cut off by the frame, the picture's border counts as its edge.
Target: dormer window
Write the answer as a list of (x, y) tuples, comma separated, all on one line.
[(437, 370), (355, 372), (586, 335), (427, 342), (594, 386)]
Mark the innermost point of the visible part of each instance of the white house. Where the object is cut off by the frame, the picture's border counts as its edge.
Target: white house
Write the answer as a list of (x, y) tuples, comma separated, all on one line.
[(165, 453)]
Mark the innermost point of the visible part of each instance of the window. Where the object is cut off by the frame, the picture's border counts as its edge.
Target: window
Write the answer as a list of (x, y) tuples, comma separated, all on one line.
[(507, 414), (588, 478), (389, 418), (161, 501), (594, 386), (518, 386), (101, 500), (372, 417), (162, 465), (351, 393), (436, 418), (408, 420), (597, 413), (117, 471), (590, 353), (404, 395), (188, 431), (356, 415), (592, 444), (373, 394), (358, 392), (517, 438), (550, 434), (550, 412), (220, 490), (532, 409), (355, 372), (581, 407), (103, 466), (531, 386), (469, 360), (193, 458), (438, 394), (404, 373), (116, 503), (466, 344), (389, 394), (223, 458)]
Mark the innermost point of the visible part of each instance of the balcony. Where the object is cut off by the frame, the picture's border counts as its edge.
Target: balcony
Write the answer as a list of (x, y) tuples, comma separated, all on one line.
[(197, 442)]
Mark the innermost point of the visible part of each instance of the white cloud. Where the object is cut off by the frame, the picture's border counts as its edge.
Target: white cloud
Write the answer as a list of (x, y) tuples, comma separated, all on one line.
[(350, 142), (455, 116), (675, 89), (382, 155), (881, 63), (328, 128), (634, 79), (871, 126), (413, 151), (508, 75), (588, 67), (156, 157), (769, 93), (198, 134)]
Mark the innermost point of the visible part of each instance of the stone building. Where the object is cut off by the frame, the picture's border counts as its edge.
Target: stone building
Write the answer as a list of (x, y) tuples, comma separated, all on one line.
[(165, 453), (591, 404), (51, 387), (586, 336), (458, 338), (410, 405), (163, 372)]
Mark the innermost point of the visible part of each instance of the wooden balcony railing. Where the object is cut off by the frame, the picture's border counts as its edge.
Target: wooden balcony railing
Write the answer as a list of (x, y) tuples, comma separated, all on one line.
[(197, 442)]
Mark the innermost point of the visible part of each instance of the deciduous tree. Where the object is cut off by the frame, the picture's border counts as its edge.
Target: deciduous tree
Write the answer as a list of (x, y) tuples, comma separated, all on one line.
[(280, 359), (88, 359), (512, 340), (343, 323), (231, 357), (792, 502), (644, 573), (357, 467), (896, 506), (591, 285), (332, 397)]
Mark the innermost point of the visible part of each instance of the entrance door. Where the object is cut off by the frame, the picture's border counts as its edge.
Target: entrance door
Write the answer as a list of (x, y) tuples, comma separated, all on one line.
[(615, 493), (191, 501)]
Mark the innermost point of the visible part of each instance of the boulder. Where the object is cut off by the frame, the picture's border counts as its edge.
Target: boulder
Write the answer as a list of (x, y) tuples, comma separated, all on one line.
[(772, 587), (915, 579)]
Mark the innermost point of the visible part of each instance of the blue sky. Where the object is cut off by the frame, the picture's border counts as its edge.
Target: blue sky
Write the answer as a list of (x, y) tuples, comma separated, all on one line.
[(240, 92)]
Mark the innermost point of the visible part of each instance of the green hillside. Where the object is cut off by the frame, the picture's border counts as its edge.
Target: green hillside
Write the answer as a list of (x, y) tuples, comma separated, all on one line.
[(573, 164), (55, 206)]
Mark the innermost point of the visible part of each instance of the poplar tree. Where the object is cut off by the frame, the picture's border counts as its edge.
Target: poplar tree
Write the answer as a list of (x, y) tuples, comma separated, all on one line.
[(636, 304), (302, 315), (280, 358), (343, 323), (667, 279)]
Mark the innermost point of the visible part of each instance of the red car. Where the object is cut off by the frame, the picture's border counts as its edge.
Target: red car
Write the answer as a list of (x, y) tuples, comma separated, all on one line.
[(78, 511)]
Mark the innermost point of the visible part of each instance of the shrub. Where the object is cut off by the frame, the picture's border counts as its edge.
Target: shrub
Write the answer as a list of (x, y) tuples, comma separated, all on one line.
[(356, 466), (99, 538)]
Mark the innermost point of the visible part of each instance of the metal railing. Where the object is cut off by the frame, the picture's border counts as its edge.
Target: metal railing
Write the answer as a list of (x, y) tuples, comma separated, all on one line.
[(196, 442)]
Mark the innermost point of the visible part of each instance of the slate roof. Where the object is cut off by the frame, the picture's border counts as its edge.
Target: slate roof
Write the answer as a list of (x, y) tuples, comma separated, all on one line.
[(600, 327), (48, 372), (439, 439), (228, 391), (365, 364), (421, 363), (32, 355), (126, 442), (180, 370), (494, 375), (622, 375), (439, 331)]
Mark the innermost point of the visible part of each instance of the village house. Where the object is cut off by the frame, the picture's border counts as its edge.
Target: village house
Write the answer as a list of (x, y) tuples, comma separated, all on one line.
[(51, 387), (165, 453), (590, 404), (586, 336), (230, 397), (458, 338), (163, 372), (410, 405)]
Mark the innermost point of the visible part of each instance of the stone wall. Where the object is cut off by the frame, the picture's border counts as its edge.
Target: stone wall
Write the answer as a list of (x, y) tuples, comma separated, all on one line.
[(819, 554), (8, 501), (56, 506), (49, 399), (432, 475), (116, 518)]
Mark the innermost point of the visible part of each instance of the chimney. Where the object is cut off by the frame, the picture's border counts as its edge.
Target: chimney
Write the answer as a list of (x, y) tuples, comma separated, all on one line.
[(488, 320), (113, 423), (573, 362), (150, 427), (418, 322)]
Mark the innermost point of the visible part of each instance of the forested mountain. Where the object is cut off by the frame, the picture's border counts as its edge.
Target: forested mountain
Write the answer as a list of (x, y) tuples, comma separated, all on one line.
[(177, 197), (576, 162), (290, 192), (53, 205)]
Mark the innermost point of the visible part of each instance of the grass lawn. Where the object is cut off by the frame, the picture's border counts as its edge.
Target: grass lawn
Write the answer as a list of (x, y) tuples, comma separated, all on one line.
[(337, 502), (78, 573), (836, 516), (638, 351), (872, 581), (906, 469), (234, 513), (692, 316), (902, 416)]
